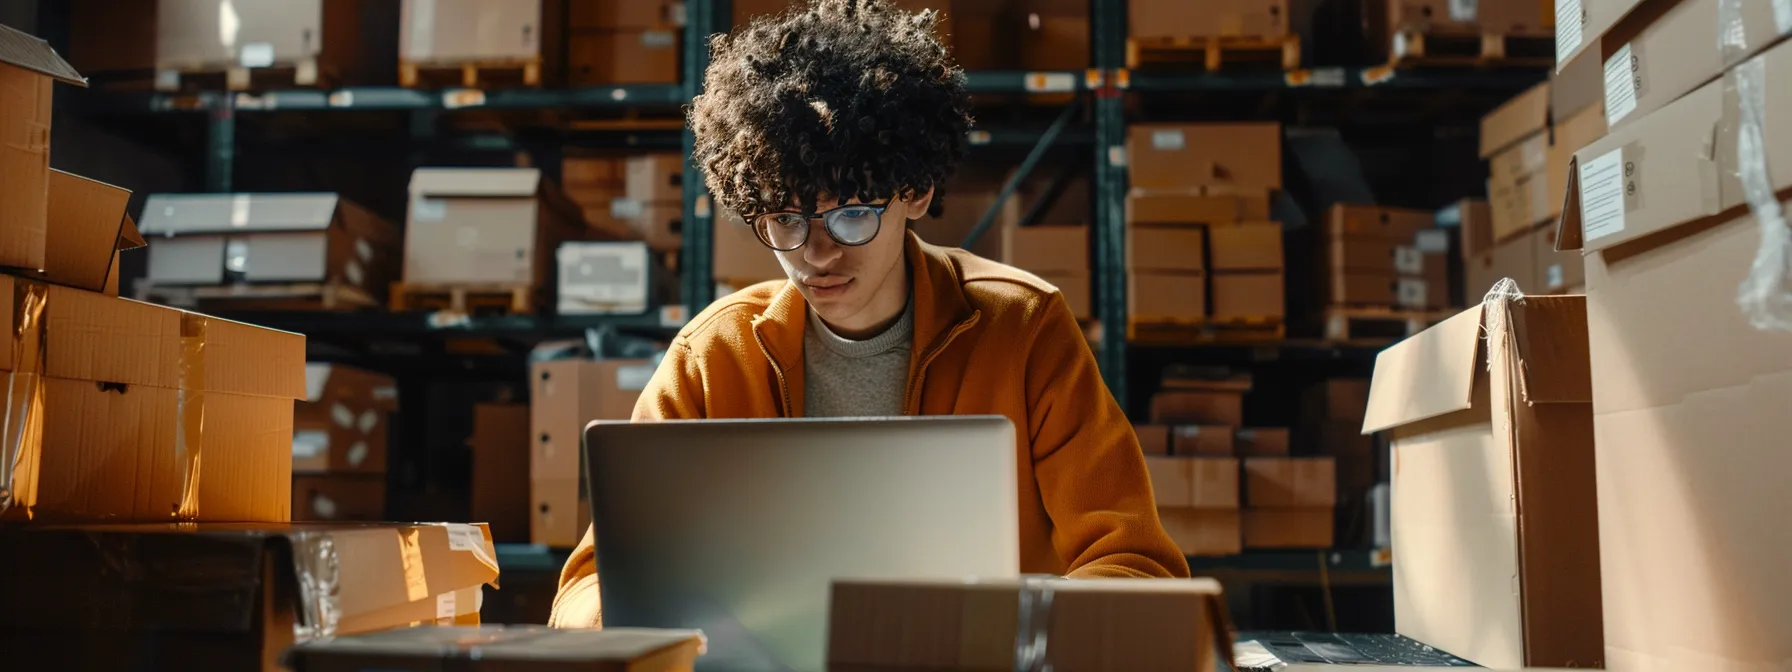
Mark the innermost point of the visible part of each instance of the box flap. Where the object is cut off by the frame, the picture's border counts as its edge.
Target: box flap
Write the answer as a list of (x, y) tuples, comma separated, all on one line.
[(1552, 344), (386, 566), (241, 358), (1568, 223), (1428, 375), (475, 182), (28, 52), (87, 223), (182, 214)]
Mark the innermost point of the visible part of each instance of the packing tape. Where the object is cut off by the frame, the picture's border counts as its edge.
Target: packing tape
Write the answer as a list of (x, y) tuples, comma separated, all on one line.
[(23, 419), (1732, 35), (319, 572), (189, 428), (1766, 294), (1032, 630), (410, 553)]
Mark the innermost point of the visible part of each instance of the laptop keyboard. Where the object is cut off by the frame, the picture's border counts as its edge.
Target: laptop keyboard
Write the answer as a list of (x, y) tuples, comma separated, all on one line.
[(1348, 649)]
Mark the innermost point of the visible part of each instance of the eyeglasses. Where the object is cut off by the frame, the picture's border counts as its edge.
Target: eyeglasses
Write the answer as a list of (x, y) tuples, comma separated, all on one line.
[(848, 225)]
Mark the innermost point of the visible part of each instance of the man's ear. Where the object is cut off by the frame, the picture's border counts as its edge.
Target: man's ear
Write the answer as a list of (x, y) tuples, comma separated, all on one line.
[(917, 206)]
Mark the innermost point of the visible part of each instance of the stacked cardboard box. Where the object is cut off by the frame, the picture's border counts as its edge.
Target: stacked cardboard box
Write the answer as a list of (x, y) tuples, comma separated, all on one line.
[(653, 199), (1192, 449), (477, 32), (492, 227), (340, 432), (1376, 256), (1494, 515), (321, 42), (1679, 212), (623, 42), (565, 396), (1384, 21), (593, 183), (500, 445), (1197, 216), (1331, 419), (1169, 19), (1288, 502), (1058, 254), (1197, 500)]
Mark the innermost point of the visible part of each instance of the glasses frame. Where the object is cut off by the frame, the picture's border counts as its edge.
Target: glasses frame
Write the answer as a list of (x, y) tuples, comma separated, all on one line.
[(809, 225)]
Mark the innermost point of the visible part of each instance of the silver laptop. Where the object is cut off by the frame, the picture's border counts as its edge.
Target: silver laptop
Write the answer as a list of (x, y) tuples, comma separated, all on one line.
[(736, 527)]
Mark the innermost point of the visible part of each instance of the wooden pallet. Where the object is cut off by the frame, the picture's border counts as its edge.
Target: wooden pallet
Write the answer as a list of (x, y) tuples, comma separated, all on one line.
[(282, 297), (1214, 53), (304, 74), (469, 74), (1349, 323), (1211, 331), (1416, 47), (465, 299)]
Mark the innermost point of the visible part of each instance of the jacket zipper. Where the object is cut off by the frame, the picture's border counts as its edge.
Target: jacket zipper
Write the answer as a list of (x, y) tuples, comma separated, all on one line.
[(778, 370), (912, 401)]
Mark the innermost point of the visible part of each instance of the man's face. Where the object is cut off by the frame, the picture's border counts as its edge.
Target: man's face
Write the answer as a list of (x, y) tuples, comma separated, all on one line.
[(850, 285)]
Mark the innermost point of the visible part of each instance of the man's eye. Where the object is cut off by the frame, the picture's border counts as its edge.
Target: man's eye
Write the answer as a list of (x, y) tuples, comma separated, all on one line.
[(790, 221), (855, 213)]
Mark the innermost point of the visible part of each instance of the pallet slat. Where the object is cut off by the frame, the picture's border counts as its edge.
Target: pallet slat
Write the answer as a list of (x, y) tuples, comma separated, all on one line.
[(465, 299), (468, 74), (1214, 53), (301, 74), (1414, 47)]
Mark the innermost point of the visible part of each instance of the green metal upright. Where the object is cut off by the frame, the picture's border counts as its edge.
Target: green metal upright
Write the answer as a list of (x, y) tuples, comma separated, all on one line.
[(220, 155), (1108, 46), (697, 261)]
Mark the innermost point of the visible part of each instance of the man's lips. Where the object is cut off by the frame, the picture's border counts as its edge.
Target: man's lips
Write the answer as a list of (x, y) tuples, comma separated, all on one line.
[(826, 282)]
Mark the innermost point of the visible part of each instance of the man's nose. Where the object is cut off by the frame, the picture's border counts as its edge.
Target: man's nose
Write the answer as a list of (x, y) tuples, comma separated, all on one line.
[(821, 250)]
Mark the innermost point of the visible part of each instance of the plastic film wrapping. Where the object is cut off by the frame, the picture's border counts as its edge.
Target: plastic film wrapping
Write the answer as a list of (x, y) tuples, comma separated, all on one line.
[(1732, 35), (22, 424), (318, 568), (190, 414), (1033, 629), (1766, 294)]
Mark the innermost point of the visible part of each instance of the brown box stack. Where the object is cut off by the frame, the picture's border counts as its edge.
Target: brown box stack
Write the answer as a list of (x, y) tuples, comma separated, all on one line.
[(1170, 19), (1331, 419), (1384, 21), (513, 218), (1058, 254), (1197, 500), (1191, 450), (340, 432), (1288, 502), (1381, 257), (593, 183), (500, 446), (653, 199), (613, 42), (566, 395)]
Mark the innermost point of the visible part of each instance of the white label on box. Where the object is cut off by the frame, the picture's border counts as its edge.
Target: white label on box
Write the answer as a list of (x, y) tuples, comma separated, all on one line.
[(658, 39), (463, 537), (1622, 80), (676, 14), (310, 443), (1168, 140), (357, 453), (1408, 260), (369, 420), (626, 208), (1568, 28), (1432, 242), (236, 256), (445, 605), (256, 55), (1602, 195), (1049, 82), (324, 507), (1782, 15), (428, 209), (1117, 156), (633, 378), (353, 273), (1400, 46), (385, 392), (364, 249), (343, 417), (239, 211), (1411, 293), (1552, 277), (1466, 11)]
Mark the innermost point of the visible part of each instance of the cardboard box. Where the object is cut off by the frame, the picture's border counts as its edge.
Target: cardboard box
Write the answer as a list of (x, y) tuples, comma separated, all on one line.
[(218, 239), (1180, 157), (1195, 208), (608, 58), (1054, 41), (341, 424), (1196, 482), (1502, 17), (566, 395), (27, 70), (1335, 399), (495, 648), (1494, 516), (443, 32), (739, 256), (1290, 482), (1664, 49), (1309, 527), (88, 227), (1337, 438), (1164, 297), (1518, 163), (62, 591), (625, 14), (1153, 439), (1523, 116), (1426, 292), (1198, 408), (1168, 249), (1515, 259), (1596, 18), (1263, 441), (602, 172), (1520, 208), (1556, 271), (1353, 221), (1192, 440), (1247, 295), (607, 279), (500, 445), (1689, 422), (1096, 624), (1246, 246), (484, 226), (1423, 256), (1571, 135), (658, 223), (339, 497), (1075, 289), (1204, 532), (112, 36), (1046, 249), (1214, 18), (655, 178), (321, 36), (171, 387)]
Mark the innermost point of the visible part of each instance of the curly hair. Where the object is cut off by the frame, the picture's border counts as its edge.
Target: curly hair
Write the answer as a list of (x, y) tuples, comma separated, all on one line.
[(841, 99)]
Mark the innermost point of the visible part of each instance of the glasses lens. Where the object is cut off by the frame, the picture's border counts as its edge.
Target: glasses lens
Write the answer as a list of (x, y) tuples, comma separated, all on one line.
[(783, 230), (853, 224)]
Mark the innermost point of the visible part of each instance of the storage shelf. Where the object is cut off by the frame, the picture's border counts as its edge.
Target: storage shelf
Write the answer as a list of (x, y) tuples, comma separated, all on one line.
[(1319, 79), (380, 325), (1336, 560)]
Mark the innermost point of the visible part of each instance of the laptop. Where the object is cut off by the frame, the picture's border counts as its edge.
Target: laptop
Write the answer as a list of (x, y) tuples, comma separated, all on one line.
[(1297, 651), (737, 527)]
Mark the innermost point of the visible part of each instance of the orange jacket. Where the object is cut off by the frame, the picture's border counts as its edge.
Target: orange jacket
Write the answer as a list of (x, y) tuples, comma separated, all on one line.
[(988, 339)]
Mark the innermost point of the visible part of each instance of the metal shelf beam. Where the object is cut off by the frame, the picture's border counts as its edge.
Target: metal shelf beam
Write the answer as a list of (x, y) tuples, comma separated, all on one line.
[(1108, 46)]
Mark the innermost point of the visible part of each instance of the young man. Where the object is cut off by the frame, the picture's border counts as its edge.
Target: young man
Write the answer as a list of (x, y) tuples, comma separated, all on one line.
[(828, 128)]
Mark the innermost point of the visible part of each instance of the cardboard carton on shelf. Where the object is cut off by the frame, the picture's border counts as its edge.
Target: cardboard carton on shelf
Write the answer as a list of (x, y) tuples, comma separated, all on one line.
[(320, 40), (1198, 408), (1218, 18), (1283, 528), (339, 497), (1515, 259), (1165, 249), (1197, 440), (504, 647), (1126, 624), (1495, 484), (1524, 116), (621, 57), (1665, 48), (1429, 291), (454, 32), (1335, 399), (1383, 19), (28, 70), (220, 239), (622, 15), (1076, 290), (1355, 221), (1196, 206), (1153, 439), (1046, 249), (342, 423), (1204, 532), (1475, 223), (1199, 482), (264, 587), (611, 278), (1245, 246), (1423, 255), (197, 411), (1556, 272), (1166, 297), (564, 396), (1290, 482), (1248, 295), (1263, 441), (485, 226), (1180, 157), (500, 446)]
